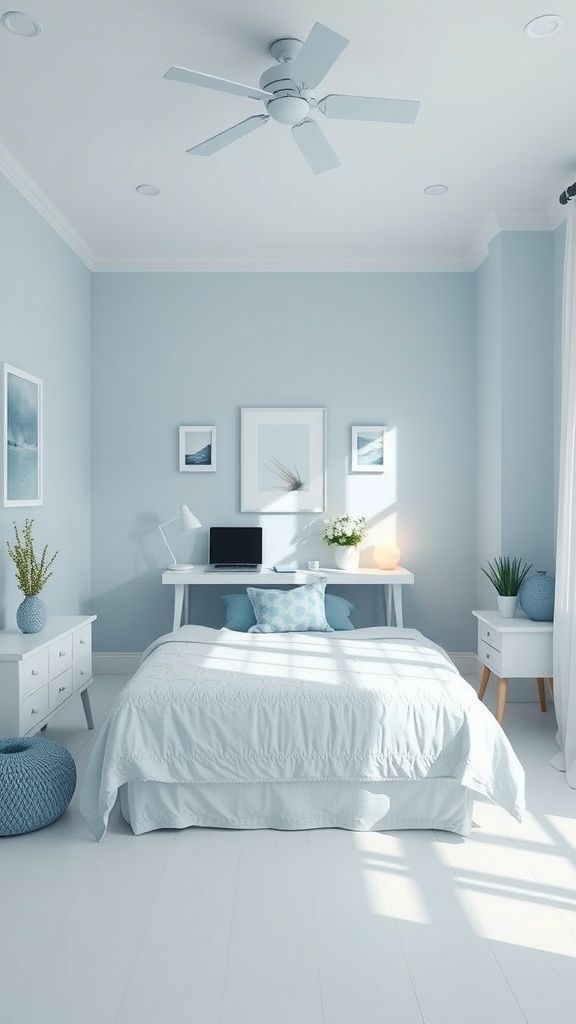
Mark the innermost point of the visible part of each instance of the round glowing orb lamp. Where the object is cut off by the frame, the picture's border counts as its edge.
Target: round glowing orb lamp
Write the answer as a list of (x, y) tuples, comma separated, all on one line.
[(387, 556)]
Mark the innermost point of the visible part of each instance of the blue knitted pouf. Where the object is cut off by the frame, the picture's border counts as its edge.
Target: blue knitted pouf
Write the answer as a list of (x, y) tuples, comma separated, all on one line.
[(37, 782)]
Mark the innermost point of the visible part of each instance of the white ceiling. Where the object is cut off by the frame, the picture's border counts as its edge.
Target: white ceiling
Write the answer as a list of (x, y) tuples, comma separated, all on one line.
[(86, 116)]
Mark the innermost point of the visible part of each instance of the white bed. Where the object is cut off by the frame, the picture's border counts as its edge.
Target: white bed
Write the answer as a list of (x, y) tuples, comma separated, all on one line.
[(364, 729)]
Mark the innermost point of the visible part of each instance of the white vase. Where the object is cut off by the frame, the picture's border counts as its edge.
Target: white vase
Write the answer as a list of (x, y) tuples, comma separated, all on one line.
[(347, 558), (507, 606)]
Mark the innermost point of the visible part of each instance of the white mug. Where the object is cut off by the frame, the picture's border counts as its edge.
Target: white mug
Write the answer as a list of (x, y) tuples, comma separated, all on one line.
[(313, 565)]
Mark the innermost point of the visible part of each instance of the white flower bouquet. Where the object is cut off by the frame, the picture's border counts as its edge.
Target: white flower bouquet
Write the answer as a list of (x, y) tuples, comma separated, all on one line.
[(347, 531)]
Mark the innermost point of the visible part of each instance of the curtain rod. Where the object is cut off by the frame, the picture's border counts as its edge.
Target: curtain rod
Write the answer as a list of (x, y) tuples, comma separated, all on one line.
[(568, 194)]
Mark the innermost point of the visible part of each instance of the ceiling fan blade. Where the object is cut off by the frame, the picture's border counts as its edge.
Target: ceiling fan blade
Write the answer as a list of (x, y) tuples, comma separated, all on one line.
[(211, 82), (319, 52), (315, 147), (229, 135), (370, 108)]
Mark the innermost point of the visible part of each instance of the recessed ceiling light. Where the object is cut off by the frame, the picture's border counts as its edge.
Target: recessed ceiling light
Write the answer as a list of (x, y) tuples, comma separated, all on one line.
[(544, 26), (20, 23), (148, 190), (435, 190)]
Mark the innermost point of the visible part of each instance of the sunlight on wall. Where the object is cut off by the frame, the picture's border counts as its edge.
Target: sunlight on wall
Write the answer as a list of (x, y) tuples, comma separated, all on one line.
[(375, 496)]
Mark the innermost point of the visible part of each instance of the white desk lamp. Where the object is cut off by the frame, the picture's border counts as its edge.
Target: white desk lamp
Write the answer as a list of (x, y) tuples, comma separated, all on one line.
[(188, 521)]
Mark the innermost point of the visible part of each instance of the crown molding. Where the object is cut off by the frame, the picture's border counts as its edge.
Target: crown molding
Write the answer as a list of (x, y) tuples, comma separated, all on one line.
[(21, 180), (508, 220)]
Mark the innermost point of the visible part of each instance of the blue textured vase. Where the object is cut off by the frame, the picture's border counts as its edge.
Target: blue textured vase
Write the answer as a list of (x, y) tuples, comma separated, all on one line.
[(536, 597), (31, 615)]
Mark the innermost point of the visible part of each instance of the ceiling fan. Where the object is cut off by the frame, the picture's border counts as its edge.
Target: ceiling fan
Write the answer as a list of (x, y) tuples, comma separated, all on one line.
[(288, 97)]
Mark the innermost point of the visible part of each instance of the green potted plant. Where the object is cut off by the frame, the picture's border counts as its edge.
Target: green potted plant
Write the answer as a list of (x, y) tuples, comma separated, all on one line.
[(32, 574), (346, 532), (507, 575)]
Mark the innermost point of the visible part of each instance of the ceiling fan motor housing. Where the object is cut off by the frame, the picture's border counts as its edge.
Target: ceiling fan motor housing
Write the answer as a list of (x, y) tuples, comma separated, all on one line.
[(288, 105)]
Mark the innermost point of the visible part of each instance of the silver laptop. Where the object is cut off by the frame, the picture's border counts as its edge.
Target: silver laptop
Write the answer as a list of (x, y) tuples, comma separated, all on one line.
[(235, 549)]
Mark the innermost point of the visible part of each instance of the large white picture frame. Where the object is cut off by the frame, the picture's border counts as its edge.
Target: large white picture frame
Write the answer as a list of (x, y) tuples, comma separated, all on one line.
[(283, 460), (21, 448)]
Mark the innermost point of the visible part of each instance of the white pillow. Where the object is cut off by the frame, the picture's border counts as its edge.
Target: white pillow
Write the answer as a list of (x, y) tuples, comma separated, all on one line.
[(289, 611)]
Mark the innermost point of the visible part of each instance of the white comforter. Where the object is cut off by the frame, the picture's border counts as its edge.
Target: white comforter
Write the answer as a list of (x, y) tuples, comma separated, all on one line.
[(371, 705)]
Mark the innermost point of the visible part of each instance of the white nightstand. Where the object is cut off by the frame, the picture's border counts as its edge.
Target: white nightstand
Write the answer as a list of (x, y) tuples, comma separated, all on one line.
[(510, 648), (39, 672)]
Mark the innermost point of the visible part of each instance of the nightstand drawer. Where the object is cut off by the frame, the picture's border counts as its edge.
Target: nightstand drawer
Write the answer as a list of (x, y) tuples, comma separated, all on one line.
[(60, 688), (60, 655), (489, 635), (33, 673), (491, 657), (33, 710), (82, 672)]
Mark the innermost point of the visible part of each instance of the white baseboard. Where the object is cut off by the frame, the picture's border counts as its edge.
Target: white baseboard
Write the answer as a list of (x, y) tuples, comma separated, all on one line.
[(466, 663), (115, 663)]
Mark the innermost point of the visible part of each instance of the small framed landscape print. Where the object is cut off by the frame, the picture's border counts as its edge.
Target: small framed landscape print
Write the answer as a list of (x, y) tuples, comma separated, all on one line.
[(283, 455), (21, 449), (367, 451), (197, 451)]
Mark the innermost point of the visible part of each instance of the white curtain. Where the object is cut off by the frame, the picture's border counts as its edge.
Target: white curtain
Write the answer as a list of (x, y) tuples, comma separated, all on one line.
[(565, 599)]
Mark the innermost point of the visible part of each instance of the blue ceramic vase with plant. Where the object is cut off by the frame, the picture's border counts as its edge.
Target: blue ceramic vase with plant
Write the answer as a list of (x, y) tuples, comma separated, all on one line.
[(32, 573)]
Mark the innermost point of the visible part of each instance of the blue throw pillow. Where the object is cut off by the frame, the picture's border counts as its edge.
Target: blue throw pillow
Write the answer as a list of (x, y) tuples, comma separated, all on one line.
[(289, 611), (338, 611), (240, 613)]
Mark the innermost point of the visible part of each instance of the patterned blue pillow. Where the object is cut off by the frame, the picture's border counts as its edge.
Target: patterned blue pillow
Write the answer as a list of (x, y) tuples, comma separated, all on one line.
[(239, 613), (289, 611)]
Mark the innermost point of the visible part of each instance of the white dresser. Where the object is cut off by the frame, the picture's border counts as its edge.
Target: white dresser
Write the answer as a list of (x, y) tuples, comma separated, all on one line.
[(512, 648), (39, 672)]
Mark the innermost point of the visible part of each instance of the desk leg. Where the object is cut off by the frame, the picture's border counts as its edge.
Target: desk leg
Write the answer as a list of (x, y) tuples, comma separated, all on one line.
[(397, 594), (178, 605)]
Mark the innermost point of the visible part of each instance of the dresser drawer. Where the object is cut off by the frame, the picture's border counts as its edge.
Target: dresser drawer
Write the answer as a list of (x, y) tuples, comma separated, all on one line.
[(489, 635), (82, 642), (491, 657), (33, 710), (82, 672), (60, 655), (60, 688), (33, 673)]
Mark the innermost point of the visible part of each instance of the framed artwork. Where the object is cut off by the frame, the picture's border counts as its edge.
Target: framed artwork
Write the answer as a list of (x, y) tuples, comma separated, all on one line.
[(21, 437), (197, 450), (283, 460), (367, 450)]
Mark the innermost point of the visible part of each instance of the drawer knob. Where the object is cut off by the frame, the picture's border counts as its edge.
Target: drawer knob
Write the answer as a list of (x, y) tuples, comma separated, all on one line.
[(34, 672), (488, 633), (33, 711), (82, 672), (82, 641), (61, 654), (61, 689)]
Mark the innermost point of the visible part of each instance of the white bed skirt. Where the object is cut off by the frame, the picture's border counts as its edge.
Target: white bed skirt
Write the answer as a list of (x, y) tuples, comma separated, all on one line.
[(361, 807)]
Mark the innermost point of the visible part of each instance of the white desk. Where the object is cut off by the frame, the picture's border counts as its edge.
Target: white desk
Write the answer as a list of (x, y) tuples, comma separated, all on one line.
[(391, 579)]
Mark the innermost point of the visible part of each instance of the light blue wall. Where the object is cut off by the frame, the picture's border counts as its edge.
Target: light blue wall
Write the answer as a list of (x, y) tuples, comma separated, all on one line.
[(516, 402), (172, 349), (45, 330)]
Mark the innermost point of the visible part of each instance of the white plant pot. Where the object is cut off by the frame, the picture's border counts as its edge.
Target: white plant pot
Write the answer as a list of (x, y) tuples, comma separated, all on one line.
[(347, 558), (507, 606)]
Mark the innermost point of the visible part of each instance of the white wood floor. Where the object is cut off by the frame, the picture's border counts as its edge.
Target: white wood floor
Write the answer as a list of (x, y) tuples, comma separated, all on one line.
[(322, 927)]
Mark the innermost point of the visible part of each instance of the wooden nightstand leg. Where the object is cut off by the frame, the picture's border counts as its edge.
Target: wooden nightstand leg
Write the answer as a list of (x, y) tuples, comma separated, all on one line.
[(541, 693), (501, 699), (551, 687), (483, 682)]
